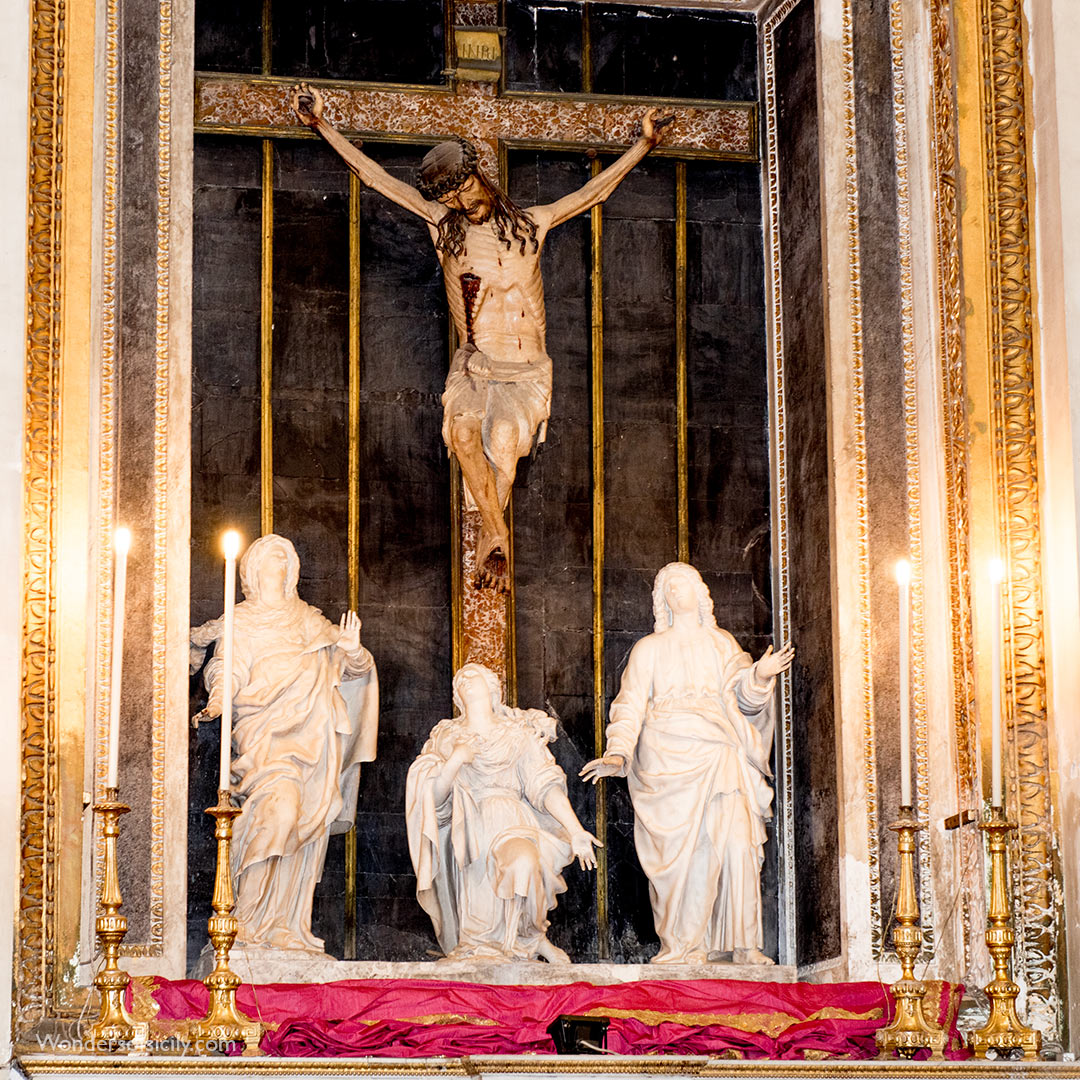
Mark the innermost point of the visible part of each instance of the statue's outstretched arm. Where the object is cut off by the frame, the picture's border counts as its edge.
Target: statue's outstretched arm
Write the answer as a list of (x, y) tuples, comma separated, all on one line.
[(604, 183), (307, 102)]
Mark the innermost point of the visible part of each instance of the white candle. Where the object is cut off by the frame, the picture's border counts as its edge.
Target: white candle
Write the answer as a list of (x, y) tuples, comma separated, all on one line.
[(997, 575), (121, 546), (903, 580), (231, 545)]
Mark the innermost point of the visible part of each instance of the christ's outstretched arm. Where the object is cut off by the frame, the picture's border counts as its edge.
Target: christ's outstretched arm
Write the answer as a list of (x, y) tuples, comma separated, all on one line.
[(308, 105), (603, 184)]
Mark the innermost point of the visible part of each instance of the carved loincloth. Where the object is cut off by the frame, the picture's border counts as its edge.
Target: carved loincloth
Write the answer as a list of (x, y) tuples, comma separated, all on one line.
[(517, 393)]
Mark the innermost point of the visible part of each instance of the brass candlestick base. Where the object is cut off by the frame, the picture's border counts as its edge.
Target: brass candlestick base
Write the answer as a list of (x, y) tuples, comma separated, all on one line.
[(1004, 1029), (910, 1030), (114, 1026), (224, 1023)]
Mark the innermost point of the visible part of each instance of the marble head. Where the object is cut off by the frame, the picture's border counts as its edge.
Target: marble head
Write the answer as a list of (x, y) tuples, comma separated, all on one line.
[(266, 549), (662, 614)]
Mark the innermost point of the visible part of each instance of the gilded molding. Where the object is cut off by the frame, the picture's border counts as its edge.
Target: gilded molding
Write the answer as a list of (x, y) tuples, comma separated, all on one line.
[(911, 459), (1018, 516), (778, 433), (162, 358), (862, 498), (34, 948), (106, 433), (955, 412)]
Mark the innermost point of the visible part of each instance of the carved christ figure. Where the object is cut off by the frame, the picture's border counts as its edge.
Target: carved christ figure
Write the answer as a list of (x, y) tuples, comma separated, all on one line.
[(498, 391)]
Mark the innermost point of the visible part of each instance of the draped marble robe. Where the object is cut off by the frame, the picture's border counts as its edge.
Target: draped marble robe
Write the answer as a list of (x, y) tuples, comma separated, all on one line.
[(305, 715), (695, 726), (478, 906)]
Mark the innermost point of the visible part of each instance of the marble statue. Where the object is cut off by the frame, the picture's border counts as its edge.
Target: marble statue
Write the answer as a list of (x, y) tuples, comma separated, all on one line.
[(692, 730), (490, 827), (305, 715), (498, 391)]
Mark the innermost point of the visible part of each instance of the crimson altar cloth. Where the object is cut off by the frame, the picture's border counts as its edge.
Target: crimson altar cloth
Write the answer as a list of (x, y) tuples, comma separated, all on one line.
[(405, 1018)]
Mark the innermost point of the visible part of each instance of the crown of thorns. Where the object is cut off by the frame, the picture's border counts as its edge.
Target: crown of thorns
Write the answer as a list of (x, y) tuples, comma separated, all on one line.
[(446, 167)]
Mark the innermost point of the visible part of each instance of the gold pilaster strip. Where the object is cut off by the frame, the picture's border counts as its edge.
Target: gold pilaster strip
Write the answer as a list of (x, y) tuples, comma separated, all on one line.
[(956, 408), (862, 495), (1014, 397), (34, 948), (266, 344), (911, 457), (586, 48), (682, 457), (597, 422), (162, 366), (267, 36), (785, 782), (353, 560)]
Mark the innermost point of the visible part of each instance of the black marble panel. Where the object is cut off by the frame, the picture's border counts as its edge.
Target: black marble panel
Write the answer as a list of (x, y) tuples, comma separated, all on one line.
[(728, 412), (885, 446), (136, 372), (404, 494), (228, 37), (310, 366), (553, 527), (664, 52), (543, 45), (398, 41), (816, 810)]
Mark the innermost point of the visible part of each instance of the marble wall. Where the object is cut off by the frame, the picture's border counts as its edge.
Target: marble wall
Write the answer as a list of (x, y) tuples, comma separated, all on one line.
[(728, 470), (404, 493), (817, 846)]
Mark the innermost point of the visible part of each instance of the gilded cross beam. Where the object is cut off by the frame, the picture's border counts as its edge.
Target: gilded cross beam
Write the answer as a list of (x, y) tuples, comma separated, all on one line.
[(260, 106)]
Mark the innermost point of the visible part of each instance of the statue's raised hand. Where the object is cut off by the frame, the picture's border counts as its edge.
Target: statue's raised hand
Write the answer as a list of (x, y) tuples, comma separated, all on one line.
[(349, 633), (772, 663), (652, 123), (581, 847), (608, 765), (307, 103)]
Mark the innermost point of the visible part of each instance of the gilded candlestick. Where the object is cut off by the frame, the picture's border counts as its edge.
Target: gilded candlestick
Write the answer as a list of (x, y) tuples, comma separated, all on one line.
[(1003, 1030), (114, 1025), (224, 1023), (910, 1030)]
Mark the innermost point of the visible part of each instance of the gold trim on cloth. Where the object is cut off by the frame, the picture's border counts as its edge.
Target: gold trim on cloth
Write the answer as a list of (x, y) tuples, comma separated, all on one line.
[(771, 1023)]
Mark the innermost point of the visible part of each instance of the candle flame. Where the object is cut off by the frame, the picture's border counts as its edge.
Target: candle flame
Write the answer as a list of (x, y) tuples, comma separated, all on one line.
[(122, 541), (996, 570), (903, 572), (230, 542)]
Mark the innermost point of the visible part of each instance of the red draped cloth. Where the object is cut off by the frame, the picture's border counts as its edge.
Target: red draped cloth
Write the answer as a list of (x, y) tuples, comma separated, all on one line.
[(405, 1018)]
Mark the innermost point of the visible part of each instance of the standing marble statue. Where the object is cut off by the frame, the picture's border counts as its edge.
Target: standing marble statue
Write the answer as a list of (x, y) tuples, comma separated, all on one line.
[(305, 715), (490, 827), (692, 729), (498, 391)]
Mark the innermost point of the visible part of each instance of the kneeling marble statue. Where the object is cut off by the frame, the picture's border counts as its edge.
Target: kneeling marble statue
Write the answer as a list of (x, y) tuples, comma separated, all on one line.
[(305, 715), (692, 730), (490, 827)]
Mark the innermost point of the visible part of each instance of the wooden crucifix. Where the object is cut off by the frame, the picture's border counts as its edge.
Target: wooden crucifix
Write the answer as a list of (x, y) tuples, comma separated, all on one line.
[(499, 386)]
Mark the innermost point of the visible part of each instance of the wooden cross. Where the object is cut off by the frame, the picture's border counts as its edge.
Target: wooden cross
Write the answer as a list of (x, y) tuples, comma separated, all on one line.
[(490, 120)]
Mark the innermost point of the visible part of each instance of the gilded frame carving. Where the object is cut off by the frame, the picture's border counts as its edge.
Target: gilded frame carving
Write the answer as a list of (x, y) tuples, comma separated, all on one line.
[(1008, 267)]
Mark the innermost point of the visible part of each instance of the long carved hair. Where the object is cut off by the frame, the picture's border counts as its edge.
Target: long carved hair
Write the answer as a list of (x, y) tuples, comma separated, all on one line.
[(662, 617), (512, 225)]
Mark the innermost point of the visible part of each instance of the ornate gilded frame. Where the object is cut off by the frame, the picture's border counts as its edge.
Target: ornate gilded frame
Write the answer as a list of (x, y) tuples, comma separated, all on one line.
[(989, 142)]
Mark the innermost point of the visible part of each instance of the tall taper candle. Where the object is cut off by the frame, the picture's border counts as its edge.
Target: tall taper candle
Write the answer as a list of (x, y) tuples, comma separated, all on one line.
[(121, 547), (903, 580), (997, 575), (231, 545)]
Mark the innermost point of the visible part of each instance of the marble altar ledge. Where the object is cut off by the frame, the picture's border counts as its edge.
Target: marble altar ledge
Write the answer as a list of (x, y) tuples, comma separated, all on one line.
[(261, 966)]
